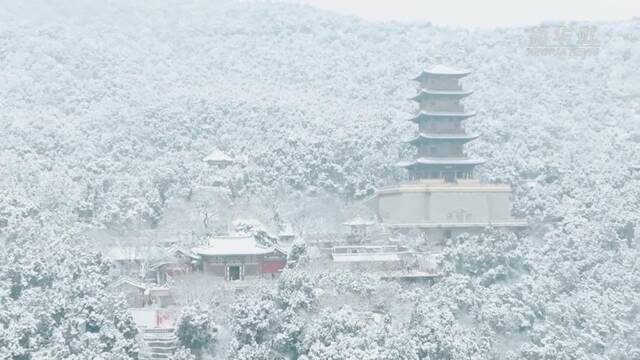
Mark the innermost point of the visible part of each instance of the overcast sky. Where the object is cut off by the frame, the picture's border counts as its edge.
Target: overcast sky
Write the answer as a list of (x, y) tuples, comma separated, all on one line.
[(484, 13)]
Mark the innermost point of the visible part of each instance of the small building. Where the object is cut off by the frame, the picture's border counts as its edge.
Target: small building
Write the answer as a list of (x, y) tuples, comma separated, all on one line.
[(178, 261), (358, 228), (139, 294), (134, 261), (218, 158), (240, 257), (152, 263)]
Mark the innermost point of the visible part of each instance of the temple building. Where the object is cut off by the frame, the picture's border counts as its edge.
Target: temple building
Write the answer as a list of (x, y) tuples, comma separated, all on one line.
[(240, 257), (443, 197)]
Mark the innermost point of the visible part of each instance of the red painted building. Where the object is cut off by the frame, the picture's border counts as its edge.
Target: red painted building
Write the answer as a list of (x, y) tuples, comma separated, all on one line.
[(240, 257)]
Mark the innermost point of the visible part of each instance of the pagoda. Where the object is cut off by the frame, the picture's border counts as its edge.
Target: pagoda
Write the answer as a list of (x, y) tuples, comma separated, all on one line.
[(443, 198), (441, 136)]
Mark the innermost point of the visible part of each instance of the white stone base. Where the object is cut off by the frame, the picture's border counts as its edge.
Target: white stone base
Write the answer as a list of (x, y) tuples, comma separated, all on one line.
[(443, 209)]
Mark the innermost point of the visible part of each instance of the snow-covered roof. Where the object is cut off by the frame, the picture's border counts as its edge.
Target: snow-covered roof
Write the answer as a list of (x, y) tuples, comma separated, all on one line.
[(441, 161), (442, 69), (426, 93), (159, 291), (181, 250), (432, 136), (218, 156), (232, 245), (365, 257), (424, 114), (130, 281), (368, 253), (391, 248), (358, 221)]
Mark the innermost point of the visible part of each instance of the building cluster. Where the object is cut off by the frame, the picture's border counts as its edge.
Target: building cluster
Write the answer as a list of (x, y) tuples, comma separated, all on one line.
[(442, 199), (146, 270)]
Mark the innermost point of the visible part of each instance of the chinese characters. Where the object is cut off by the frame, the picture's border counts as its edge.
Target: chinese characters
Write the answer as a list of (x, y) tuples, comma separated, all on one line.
[(563, 41)]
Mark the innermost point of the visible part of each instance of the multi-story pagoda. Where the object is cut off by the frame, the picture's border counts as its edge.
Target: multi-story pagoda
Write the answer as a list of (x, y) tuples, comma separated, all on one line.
[(441, 136), (443, 197)]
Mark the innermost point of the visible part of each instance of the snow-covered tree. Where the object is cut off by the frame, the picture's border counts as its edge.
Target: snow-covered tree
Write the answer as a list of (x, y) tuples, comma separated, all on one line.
[(55, 304), (196, 330)]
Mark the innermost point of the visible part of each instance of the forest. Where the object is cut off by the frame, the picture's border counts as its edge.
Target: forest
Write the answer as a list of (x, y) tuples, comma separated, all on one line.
[(108, 108)]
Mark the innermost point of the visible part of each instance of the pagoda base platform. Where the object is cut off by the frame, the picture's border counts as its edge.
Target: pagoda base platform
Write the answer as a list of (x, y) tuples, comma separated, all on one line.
[(442, 209)]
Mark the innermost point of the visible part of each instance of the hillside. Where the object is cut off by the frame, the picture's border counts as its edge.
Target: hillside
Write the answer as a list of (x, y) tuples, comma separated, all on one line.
[(136, 96), (106, 112)]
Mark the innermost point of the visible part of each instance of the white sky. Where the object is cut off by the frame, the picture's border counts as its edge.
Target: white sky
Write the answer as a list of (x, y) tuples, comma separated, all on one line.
[(484, 13)]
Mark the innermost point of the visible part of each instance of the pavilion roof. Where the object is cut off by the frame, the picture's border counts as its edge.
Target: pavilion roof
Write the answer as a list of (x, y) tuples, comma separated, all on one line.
[(218, 156)]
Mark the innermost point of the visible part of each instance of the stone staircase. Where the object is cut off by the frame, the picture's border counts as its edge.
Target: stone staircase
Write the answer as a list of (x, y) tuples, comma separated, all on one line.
[(160, 343)]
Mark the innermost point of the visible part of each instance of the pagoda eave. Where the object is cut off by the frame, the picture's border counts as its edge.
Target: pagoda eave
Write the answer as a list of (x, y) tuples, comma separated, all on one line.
[(441, 93), (441, 161), (422, 138), (442, 70), (426, 115)]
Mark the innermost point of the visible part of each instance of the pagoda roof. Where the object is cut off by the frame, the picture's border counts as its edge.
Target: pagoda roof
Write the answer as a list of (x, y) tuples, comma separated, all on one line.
[(442, 70), (441, 161), (451, 136), (423, 115), (428, 92)]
